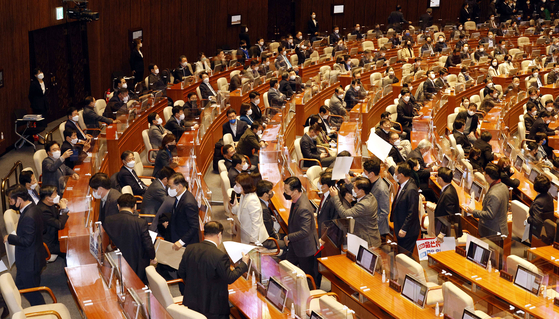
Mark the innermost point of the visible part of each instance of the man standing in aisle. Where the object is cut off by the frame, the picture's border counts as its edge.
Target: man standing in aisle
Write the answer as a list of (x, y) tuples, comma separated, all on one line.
[(405, 209)]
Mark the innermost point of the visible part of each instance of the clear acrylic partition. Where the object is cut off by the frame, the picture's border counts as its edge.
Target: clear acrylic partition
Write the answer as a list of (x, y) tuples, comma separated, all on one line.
[(134, 303), (269, 267), (289, 277), (335, 232)]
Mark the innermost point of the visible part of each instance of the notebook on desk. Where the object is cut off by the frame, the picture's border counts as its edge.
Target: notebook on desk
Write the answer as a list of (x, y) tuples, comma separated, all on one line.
[(414, 291)]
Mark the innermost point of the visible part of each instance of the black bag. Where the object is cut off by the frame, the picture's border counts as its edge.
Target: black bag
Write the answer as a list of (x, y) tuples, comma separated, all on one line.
[(217, 155)]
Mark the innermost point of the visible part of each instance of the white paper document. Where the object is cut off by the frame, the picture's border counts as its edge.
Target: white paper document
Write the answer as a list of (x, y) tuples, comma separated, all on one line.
[(153, 236), (3, 267), (526, 234), (166, 255), (235, 249), (353, 243), (378, 146), (341, 167)]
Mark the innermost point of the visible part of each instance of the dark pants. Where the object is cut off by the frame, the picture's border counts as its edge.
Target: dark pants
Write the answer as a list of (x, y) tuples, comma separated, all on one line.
[(307, 264), (30, 279), (327, 161), (407, 243)]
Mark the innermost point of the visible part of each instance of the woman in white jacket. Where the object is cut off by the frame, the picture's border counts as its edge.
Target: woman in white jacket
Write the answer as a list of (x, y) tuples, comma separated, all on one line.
[(249, 211)]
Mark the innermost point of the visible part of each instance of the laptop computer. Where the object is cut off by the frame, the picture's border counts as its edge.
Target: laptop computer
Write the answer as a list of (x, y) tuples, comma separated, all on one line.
[(445, 161), (276, 293), (528, 280), (367, 260), (478, 254), (414, 291)]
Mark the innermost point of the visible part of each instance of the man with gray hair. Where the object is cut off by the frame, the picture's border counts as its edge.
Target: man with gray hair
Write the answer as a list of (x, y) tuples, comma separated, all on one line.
[(422, 148)]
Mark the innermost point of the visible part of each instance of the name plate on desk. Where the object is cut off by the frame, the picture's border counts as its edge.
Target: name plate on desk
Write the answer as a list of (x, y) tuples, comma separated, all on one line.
[(350, 256), (446, 317), (556, 301), (460, 251), (556, 245), (395, 285), (505, 275)]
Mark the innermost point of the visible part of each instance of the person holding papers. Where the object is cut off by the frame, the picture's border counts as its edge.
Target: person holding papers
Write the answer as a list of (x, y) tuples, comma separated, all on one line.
[(206, 272), (364, 211), (130, 234)]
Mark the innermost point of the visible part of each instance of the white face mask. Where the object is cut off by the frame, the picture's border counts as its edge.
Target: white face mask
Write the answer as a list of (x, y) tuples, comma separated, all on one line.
[(181, 117), (357, 88), (56, 154), (245, 166), (536, 74), (406, 98), (159, 121), (183, 64), (74, 141), (96, 195), (314, 16), (481, 50), (238, 189), (441, 40), (290, 40), (548, 121), (396, 178), (75, 118), (471, 113), (40, 76), (549, 108), (246, 30), (33, 186), (292, 77), (259, 133), (206, 80), (249, 112), (141, 44), (172, 192), (391, 72), (131, 164), (56, 200), (124, 86), (257, 101), (432, 76), (261, 43), (341, 96), (516, 84), (353, 193), (300, 37), (336, 31), (267, 63), (460, 28), (534, 113), (156, 71), (410, 87), (494, 63), (466, 49), (496, 95), (466, 103), (397, 142)]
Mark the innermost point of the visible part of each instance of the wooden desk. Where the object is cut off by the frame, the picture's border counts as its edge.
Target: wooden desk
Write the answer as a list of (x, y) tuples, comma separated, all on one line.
[(251, 303), (176, 92), (545, 253), (493, 284), (378, 301)]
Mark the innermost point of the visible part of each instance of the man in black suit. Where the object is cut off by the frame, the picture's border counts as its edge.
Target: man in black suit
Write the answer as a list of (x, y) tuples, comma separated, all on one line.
[(182, 70), (396, 19), (357, 32), (265, 193), (54, 169), (30, 253), (285, 88), (275, 97), (72, 122), (326, 211), (100, 185), (426, 20), (206, 272), (233, 126), (395, 151), (448, 204), (405, 112), (309, 149), (228, 152), (184, 223), (542, 207), (471, 120), (487, 155), (27, 179), (127, 175), (156, 192), (130, 234), (383, 130), (460, 137), (352, 94), (302, 239), (250, 142), (190, 107), (541, 125), (154, 79), (206, 90), (177, 125), (91, 118), (54, 218), (238, 165), (254, 105), (530, 116), (422, 148), (78, 150), (405, 210), (429, 85), (366, 59), (236, 81), (118, 103)]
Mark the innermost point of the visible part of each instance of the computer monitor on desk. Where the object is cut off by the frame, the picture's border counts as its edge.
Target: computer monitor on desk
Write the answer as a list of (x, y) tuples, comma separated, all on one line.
[(457, 176), (528, 280), (367, 259), (469, 315), (414, 291), (553, 190), (518, 163), (478, 190), (508, 150), (533, 174), (478, 254), (445, 161), (276, 293)]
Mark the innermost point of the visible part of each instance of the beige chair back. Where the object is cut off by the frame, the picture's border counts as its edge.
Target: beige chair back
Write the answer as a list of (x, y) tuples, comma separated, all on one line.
[(519, 215), (228, 139), (513, 262), (179, 103), (407, 266), (100, 106), (38, 158), (455, 300), (337, 309), (182, 312), (167, 113), (10, 293), (313, 174), (159, 286), (226, 189)]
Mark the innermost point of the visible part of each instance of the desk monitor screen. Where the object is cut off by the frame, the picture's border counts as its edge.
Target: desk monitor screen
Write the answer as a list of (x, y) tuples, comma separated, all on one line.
[(335, 234), (315, 315), (445, 161), (553, 190), (276, 293), (533, 174), (518, 162), (478, 190), (457, 177), (528, 280), (508, 150), (478, 254), (415, 291), (469, 315), (367, 259)]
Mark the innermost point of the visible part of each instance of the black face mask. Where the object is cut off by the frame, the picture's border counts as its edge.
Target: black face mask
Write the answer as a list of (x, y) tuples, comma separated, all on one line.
[(288, 197), (194, 104), (13, 207)]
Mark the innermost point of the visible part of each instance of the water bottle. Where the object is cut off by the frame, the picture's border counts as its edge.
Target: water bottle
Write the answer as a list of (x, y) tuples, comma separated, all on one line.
[(292, 310), (437, 309), (253, 280), (489, 266), (383, 276)]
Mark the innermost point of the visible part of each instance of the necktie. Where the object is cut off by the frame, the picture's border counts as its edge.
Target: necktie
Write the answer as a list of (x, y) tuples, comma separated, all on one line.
[(320, 206), (138, 180), (211, 88), (287, 61)]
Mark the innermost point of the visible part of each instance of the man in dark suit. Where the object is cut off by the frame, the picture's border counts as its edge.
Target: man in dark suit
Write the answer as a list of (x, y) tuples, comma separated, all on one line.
[(471, 121), (100, 186), (236, 81), (127, 175), (405, 112), (184, 223), (486, 149), (249, 144), (72, 122), (78, 150), (357, 32), (309, 149), (275, 97), (542, 207), (429, 85), (366, 59), (177, 125), (302, 239), (206, 90), (91, 118), (228, 152), (54, 218), (285, 88), (30, 253), (395, 151), (422, 148), (441, 82), (265, 193), (191, 109), (154, 80), (54, 169), (206, 272), (254, 105), (156, 131), (183, 70), (553, 76), (448, 204), (326, 211), (426, 20), (156, 192), (541, 125), (130, 234), (352, 94), (396, 19), (405, 210), (460, 137), (118, 103), (233, 126), (383, 130), (27, 179), (238, 165), (335, 35)]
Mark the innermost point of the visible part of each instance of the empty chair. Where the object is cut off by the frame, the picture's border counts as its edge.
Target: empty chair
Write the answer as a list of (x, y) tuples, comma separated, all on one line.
[(524, 65), (228, 139), (222, 84), (392, 109), (406, 265), (521, 130), (367, 45), (151, 152), (160, 288), (38, 158), (167, 113), (313, 174), (303, 306), (328, 51), (519, 215), (456, 300), (226, 190), (513, 262), (127, 190), (470, 25), (336, 308), (381, 42), (522, 41), (450, 121), (475, 99)]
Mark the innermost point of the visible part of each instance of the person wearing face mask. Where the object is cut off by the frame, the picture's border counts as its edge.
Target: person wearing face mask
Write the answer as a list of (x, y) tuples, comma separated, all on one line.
[(407, 52), (466, 13), (501, 49), (490, 100), (190, 106), (337, 104), (480, 52), (545, 152), (429, 85), (27, 179), (254, 97), (91, 118), (38, 94), (420, 177), (534, 96), (288, 43), (72, 122), (303, 51), (54, 169), (183, 70), (295, 82), (282, 61), (78, 150), (534, 80), (206, 90), (364, 212), (440, 45), (154, 197), (488, 86), (550, 107), (118, 104), (252, 71), (366, 59), (461, 138), (487, 155), (309, 148), (249, 211), (453, 60), (530, 115), (335, 36), (137, 61), (470, 117), (250, 142), (54, 218), (553, 76), (164, 155), (357, 32), (464, 75), (285, 87), (236, 81), (493, 68), (352, 95), (426, 19), (405, 210), (506, 173), (514, 87), (326, 211), (275, 97), (244, 36), (448, 204), (442, 82), (264, 67), (238, 165), (28, 241), (127, 175), (312, 27), (380, 55), (242, 53), (100, 186), (177, 124), (464, 104), (542, 125), (233, 126), (396, 150), (406, 112), (427, 47), (465, 53), (156, 130), (154, 79), (203, 64)]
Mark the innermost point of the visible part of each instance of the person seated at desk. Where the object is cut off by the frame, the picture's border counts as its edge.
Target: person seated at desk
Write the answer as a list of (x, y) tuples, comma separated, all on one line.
[(177, 124), (488, 85), (100, 186), (397, 152), (90, 116), (206, 90), (429, 85), (27, 179), (190, 106), (127, 175), (493, 68), (492, 218), (309, 149), (427, 47), (252, 70), (407, 51), (183, 70), (296, 83), (544, 150), (340, 65), (383, 130), (78, 150), (535, 98), (487, 155), (285, 87), (535, 63), (303, 51), (164, 155), (356, 75), (264, 67), (553, 76), (507, 64), (506, 173), (465, 52), (514, 87), (337, 104), (366, 59), (501, 49), (380, 55), (471, 118), (464, 105), (442, 82), (537, 81), (460, 137), (453, 60), (233, 126), (246, 114), (156, 130), (352, 95), (236, 81), (530, 115), (118, 103), (154, 80), (287, 43), (275, 97), (156, 193), (406, 112), (238, 165), (389, 76), (542, 206), (219, 59), (490, 99), (440, 45), (396, 39), (448, 203), (480, 52), (323, 139), (489, 40), (462, 40), (243, 51), (282, 61), (541, 125), (474, 157), (54, 169), (54, 218), (131, 236), (72, 122), (203, 63), (405, 210), (464, 75), (250, 143)]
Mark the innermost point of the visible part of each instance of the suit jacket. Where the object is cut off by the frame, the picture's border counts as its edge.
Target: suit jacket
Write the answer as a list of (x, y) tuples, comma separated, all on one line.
[(235, 83), (337, 106), (125, 178), (416, 153), (110, 207), (205, 91), (474, 121), (540, 210), (381, 192), (184, 220), (430, 86), (130, 234), (242, 126), (448, 203), (29, 251), (155, 82), (256, 112), (275, 98), (405, 114), (286, 89), (38, 99), (396, 155), (181, 72), (137, 64), (153, 198), (326, 213), (206, 272), (92, 119), (351, 98), (552, 77), (248, 142), (54, 172), (382, 134), (232, 174), (405, 211), (268, 220), (251, 220), (53, 221), (487, 155), (156, 134), (312, 27), (528, 122), (163, 158), (366, 219), (302, 236), (309, 150), (493, 216), (175, 127), (462, 139), (540, 126), (72, 125), (282, 61)]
